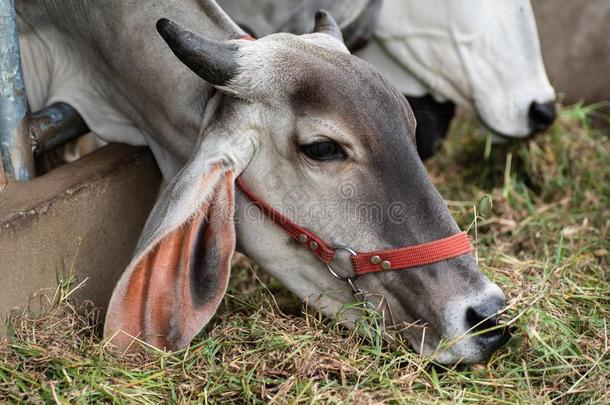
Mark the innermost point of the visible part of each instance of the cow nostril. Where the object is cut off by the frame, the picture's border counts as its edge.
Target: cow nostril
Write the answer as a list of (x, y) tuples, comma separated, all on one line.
[(541, 115), (482, 317), (478, 322)]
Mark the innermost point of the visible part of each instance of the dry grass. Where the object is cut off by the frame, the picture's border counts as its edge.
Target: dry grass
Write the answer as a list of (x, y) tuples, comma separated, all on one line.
[(540, 213)]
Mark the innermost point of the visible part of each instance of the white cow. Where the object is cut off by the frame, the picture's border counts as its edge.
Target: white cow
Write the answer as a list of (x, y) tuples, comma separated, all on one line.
[(482, 55)]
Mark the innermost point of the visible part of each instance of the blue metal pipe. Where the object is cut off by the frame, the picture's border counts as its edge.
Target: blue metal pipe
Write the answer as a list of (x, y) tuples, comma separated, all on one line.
[(15, 147)]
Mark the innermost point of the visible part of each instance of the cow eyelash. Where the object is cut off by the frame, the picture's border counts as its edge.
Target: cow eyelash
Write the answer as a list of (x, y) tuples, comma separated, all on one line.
[(323, 151)]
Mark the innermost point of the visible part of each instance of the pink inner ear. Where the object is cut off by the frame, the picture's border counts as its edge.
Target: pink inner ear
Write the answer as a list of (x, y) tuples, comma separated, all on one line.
[(171, 265), (162, 301)]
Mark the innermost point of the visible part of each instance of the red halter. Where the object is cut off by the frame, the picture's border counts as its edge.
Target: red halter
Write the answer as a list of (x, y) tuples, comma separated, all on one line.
[(366, 262)]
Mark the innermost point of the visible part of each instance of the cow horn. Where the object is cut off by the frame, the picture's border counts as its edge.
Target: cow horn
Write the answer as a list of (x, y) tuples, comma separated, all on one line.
[(214, 61), (327, 25)]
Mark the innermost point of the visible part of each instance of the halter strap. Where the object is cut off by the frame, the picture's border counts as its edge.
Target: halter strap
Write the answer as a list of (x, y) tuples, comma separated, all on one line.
[(366, 262)]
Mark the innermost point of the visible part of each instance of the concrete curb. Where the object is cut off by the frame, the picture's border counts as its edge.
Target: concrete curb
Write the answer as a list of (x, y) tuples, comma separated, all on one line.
[(84, 217)]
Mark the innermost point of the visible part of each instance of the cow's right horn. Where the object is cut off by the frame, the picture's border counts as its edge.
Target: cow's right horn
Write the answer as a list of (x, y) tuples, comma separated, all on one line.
[(214, 61), (327, 25)]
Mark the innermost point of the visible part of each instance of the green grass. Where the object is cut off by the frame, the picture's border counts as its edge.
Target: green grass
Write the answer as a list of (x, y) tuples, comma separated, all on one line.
[(540, 214)]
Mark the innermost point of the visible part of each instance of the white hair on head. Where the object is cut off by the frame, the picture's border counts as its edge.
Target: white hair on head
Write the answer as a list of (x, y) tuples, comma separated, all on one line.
[(263, 62)]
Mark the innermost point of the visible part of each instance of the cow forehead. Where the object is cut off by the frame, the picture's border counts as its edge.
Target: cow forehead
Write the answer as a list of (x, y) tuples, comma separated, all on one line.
[(360, 98), (373, 112), (327, 81)]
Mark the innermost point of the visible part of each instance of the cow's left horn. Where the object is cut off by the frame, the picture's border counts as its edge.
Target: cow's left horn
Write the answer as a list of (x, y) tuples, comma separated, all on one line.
[(327, 25), (214, 61)]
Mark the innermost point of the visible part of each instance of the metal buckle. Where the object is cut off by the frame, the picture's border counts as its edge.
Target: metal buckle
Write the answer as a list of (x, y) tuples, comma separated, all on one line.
[(350, 280), (329, 267)]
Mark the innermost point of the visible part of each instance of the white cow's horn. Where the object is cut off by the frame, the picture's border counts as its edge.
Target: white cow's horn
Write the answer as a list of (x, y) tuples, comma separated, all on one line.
[(214, 61)]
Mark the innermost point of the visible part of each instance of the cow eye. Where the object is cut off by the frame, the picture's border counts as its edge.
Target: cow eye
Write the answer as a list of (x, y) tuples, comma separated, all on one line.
[(323, 151)]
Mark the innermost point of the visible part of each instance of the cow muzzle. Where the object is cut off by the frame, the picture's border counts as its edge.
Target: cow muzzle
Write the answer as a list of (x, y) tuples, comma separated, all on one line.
[(472, 331)]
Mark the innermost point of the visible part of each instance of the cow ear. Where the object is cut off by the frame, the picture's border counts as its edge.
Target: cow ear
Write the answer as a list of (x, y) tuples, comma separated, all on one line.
[(179, 274)]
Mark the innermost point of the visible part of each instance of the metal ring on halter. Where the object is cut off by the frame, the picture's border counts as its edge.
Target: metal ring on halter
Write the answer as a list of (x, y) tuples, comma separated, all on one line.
[(328, 266), (350, 280)]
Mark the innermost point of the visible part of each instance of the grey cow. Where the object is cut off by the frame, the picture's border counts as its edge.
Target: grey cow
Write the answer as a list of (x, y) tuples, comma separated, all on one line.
[(301, 121)]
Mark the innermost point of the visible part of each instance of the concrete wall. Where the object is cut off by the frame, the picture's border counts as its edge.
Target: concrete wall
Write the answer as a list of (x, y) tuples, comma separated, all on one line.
[(87, 214), (575, 39)]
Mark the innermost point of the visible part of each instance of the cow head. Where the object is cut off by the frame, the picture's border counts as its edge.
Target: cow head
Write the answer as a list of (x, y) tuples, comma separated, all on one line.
[(324, 138), (482, 55)]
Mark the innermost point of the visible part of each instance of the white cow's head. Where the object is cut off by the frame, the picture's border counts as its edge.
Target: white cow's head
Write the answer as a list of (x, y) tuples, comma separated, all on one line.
[(483, 55), (322, 137)]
